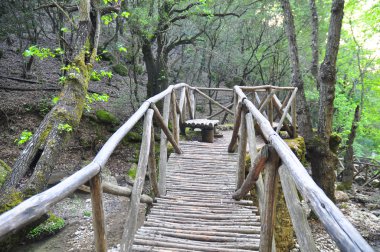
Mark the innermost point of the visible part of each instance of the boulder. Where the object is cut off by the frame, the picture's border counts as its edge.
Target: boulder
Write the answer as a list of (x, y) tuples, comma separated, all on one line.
[(341, 196)]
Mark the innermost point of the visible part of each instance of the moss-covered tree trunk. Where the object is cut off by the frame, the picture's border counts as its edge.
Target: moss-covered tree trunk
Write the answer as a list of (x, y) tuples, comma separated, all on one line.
[(39, 157)]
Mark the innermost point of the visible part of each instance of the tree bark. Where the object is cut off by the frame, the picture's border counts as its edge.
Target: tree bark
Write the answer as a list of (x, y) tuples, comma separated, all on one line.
[(314, 42), (324, 160), (303, 113), (40, 154), (348, 172)]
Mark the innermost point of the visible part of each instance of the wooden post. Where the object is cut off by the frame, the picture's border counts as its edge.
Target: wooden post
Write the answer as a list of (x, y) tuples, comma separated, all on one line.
[(163, 148), (98, 213), (268, 218), (166, 130), (152, 166), (294, 117), (188, 103), (232, 145), (299, 220), (133, 210), (285, 112), (192, 103), (175, 119), (242, 150), (270, 108)]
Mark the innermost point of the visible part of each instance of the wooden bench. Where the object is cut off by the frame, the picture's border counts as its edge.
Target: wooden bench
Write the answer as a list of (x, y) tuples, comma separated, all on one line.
[(207, 127)]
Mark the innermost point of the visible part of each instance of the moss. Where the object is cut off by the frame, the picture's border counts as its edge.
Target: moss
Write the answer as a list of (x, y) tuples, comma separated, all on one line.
[(334, 142), (297, 145), (4, 171), (107, 56), (343, 186), (170, 149), (120, 69), (47, 228), (106, 117), (11, 200), (133, 137)]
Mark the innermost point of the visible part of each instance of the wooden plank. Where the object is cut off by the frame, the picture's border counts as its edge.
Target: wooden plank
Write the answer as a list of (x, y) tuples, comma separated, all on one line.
[(133, 210), (98, 214), (299, 220), (268, 218)]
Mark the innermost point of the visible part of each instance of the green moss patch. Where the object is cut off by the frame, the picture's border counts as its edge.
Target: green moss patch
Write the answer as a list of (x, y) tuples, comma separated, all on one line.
[(4, 171), (11, 200), (106, 117), (47, 228), (297, 145), (120, 69)]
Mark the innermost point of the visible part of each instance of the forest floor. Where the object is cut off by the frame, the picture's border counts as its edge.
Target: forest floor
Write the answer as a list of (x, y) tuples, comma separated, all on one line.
[(22, 109)]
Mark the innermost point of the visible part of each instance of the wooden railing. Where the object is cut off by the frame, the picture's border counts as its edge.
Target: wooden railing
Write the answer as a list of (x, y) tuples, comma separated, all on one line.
[(279, 162), (178, 109)]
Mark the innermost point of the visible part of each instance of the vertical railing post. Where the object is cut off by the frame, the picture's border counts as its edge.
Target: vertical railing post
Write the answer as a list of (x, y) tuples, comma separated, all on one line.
[(175, 119), (270, 108), (192, 103), (294, 116), (152, 166), (163, 148), (270, 189), (242, 150), (98, 213), (133, 210)]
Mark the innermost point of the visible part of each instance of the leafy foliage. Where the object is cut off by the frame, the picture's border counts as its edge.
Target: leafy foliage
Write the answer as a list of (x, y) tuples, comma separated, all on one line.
[(25, 136)]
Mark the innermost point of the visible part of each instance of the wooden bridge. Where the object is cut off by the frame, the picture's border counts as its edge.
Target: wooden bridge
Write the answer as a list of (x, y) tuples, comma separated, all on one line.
[(198, 196)]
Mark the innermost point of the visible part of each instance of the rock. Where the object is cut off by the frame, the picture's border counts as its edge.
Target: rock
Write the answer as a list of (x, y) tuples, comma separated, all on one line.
[(375, 183), (341, 196), (360, 180), (376, 213)]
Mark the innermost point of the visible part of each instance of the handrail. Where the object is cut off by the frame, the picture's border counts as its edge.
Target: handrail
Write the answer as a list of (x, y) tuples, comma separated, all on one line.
[(39, 204), (338, 227)]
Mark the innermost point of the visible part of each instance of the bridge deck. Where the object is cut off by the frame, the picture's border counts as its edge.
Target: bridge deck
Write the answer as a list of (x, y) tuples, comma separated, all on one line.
[(197, 213)]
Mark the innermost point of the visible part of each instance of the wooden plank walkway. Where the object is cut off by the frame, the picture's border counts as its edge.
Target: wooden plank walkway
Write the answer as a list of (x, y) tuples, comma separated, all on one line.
[(197, 213)]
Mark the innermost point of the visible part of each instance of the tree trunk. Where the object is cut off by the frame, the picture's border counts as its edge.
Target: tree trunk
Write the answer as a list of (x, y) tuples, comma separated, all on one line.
[(303, 114), (348, 172), (314, 42), (40, 154)]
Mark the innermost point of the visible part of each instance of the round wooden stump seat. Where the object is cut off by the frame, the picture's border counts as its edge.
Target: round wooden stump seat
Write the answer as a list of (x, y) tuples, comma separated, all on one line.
[(207, 127)]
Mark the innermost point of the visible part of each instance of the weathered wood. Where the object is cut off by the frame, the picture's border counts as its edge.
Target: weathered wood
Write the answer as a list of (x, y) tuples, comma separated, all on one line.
[(182, 106), (215, 89), (267, 99), (339, 228), (133, 210), (251, 136), (257, 166), (165, 129), (299, 220), (264, 88), (268, 218), (280, 106), (188, 103), (229, 106), (242, 151), (202, 123), (98, 214), (21, 215), (270, 107), (117, 190), (152, 166), (235, 132), (294, 117), (163, 147), (192, 103), (286, 110), (213, 101), (175, 120)]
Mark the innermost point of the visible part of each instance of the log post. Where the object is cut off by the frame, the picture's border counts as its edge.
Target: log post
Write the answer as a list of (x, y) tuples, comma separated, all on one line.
[(242, 150), (133, 210), (299, 220), (270, 108), (152, 166), (235, 132), (98, 213), (182, 108), (286, 109), (270, 187), (163, 148), (192, 103), (189, 103), (175, 119), (294, 117)]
